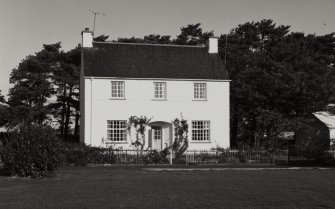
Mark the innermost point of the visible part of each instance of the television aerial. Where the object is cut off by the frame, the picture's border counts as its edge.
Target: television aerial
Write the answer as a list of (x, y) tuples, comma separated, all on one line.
[(95, 15)]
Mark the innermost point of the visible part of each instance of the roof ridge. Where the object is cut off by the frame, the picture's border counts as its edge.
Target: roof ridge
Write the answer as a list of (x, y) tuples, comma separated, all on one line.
[(146, 44)]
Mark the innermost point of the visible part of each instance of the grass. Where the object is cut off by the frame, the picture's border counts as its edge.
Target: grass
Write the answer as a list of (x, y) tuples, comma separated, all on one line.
[(133, 187)]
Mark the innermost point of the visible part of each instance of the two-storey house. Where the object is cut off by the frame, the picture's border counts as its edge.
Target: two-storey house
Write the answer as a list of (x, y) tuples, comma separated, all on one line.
[(161, 82)]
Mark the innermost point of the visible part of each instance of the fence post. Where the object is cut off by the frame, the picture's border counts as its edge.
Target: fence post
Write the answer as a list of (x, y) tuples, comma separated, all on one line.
[(171, 152)]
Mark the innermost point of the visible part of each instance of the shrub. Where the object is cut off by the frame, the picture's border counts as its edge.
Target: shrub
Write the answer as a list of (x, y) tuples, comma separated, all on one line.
[(31, 151), (74, 154), (100, 155), (156, 157), (81, 154)]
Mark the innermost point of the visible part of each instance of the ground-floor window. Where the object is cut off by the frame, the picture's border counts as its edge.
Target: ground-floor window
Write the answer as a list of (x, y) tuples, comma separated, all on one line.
[(116, 130), (200, 130)]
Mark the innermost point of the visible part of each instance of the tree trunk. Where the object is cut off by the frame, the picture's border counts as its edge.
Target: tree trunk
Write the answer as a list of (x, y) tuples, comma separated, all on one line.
[(76, 124), (63, 112), (67, 116), (234, 128)]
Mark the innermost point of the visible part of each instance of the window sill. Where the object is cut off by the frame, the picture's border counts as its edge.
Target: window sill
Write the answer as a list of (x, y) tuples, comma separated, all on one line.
[(115, 142), (117, 98), (159, 100), (200, 100), (207, 142)]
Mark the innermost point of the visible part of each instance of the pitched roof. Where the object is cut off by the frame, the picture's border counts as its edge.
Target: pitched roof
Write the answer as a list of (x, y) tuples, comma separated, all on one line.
[(327, 118), (112, 59)]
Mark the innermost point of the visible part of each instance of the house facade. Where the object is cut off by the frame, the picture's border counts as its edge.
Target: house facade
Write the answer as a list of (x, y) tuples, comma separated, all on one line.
[(161, 82)]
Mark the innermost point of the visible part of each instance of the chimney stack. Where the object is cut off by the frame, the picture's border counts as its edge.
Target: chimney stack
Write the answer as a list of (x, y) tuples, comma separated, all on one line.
[(212, 44), (87, 38)]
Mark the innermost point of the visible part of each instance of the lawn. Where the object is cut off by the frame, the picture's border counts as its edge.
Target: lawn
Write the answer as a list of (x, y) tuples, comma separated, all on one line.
[(133, 187)]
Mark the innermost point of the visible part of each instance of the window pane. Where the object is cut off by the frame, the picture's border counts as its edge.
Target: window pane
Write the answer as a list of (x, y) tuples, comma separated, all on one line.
[(117, 89), (116, 130), (200, 91), (200, 130), (160, 90)]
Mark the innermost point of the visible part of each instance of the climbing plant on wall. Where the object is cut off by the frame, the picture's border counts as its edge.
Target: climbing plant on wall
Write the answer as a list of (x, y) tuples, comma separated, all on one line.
[(180, 144), (139, 124)]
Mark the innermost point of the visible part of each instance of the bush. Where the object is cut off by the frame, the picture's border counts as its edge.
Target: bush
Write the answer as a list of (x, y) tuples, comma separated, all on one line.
[(156, 157), (31, 151), (81, 154)]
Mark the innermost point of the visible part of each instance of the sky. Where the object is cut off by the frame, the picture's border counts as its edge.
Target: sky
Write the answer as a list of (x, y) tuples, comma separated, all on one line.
[(28, 24)]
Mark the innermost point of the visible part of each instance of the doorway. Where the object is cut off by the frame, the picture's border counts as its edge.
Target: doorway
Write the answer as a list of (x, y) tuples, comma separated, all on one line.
[(160, 135)]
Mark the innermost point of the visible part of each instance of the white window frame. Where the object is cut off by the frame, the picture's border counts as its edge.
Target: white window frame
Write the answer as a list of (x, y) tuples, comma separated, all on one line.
[(117, 90), (117, 131), (201, 131), (160, 90), (200, 91)]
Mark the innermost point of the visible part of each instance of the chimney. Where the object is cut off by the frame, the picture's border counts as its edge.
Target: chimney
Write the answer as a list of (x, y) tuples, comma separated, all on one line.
[(87, 38), (212, 44)]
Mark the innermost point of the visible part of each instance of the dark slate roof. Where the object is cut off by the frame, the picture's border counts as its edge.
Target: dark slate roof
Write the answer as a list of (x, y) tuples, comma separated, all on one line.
[(112, 59)]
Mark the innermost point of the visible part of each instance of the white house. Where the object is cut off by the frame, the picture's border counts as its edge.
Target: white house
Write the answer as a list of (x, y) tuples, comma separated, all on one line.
[(161, 82)]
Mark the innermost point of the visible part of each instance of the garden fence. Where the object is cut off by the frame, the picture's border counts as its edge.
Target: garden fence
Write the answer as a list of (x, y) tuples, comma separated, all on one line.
[(235, 155)]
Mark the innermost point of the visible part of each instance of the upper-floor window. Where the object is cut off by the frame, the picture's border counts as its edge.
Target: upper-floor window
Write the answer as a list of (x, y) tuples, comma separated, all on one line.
[(200, 91), (116, 130), (118, 89), (200, 130), (160, 90)]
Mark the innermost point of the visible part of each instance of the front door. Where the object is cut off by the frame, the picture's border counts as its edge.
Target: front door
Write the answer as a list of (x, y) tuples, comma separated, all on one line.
[(157, 137)]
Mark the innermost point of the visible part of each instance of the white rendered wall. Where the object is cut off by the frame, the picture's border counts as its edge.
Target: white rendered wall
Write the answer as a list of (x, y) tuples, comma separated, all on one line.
[(332, 136), (139, 101)]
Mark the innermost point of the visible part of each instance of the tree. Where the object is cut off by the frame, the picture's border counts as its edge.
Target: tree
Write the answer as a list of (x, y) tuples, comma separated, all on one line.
[(46, 87), (65, 79), (32, 86), (2, 98), (4, 111), (192, 35), (149, 39), (277, 78), (101, 38)]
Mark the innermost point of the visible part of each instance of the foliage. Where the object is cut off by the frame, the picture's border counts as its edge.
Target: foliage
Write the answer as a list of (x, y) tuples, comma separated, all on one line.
[(48, 73), (180, 143), (277, 78), (101, 38), (156, 157), (4, 115), (192, 35), (140, 124), (149, 39), (31, 151), (65, 80), (32, 86), (2, 98), (81, 154)]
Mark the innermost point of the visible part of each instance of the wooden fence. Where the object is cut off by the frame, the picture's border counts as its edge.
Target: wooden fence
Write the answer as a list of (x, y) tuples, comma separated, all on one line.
[(230, 156)]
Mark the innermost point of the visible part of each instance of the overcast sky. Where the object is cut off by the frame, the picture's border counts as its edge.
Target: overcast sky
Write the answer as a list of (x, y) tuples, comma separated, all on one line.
[(27, 24)]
